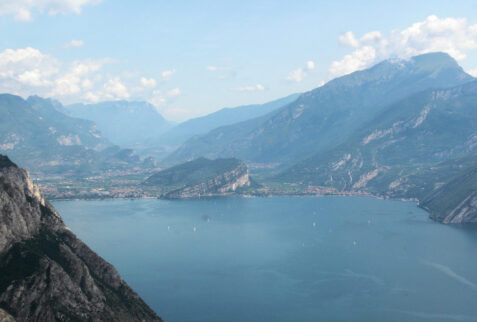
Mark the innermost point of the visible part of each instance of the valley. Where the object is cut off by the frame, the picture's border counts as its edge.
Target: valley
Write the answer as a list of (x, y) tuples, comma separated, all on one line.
[(360, 134)]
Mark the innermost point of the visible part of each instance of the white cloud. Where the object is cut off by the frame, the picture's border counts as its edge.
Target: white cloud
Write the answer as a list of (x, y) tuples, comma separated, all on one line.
[(161, 104), (115, 89), (251, 88), (157, 99), (86, 83), (296, 75), (451, 35), (211, 68), (92, 97), (22, 9), (358, 59), (299, 74), (26, 67), (472, 72), (174, 92), (372, 36), (74, 43), (148, 82), (167, 74), (75, 79), (348, 39), (23, 15), (28, 71)]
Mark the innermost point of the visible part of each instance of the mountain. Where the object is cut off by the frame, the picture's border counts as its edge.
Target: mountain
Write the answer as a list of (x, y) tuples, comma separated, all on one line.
[(127, 124), (200, 177), (226, 116), (46, 272), (37, 122), (326, 116), (36, 134), (413, 146), (455, 201)]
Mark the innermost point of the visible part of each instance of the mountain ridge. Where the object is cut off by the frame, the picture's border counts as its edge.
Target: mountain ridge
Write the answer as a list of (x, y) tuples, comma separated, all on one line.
[(223, 117), (327, 115), (435, 125), (37, 135)]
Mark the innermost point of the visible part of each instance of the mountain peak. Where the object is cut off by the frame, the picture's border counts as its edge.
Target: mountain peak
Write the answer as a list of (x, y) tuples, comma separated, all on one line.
[(428, 60), (439, 67), (428, 63), (435, 60)]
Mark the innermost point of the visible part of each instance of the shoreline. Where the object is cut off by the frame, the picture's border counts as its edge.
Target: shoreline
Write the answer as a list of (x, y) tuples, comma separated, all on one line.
[(344, 194)]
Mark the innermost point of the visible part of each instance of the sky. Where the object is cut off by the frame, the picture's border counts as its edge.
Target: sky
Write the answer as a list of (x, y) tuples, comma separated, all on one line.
[(191, 58)]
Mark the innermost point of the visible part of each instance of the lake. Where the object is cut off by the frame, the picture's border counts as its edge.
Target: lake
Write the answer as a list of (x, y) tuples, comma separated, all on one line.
[(284, 258)]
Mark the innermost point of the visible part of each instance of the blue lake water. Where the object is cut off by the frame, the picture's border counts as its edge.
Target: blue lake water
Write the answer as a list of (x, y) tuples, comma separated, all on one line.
[(284, 258)]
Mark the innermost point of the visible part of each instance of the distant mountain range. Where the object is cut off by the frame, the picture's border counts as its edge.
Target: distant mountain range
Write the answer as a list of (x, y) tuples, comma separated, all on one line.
[(326, 116), (138, 125), (226, 116), (49, 138), (37, 135), (400, 129), (127, 124)]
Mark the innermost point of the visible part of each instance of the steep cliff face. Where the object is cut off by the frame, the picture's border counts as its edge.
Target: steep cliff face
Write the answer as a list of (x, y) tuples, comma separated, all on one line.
[(46, 272), (200, 177), (222, 184), (456, 201)]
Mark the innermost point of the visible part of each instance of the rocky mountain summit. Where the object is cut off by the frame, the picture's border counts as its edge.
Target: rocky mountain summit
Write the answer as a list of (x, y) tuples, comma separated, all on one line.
[(46, 272), (201, 177)]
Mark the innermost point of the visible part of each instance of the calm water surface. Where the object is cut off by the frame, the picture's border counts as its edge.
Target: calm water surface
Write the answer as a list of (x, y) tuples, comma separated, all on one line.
[(284, 258)]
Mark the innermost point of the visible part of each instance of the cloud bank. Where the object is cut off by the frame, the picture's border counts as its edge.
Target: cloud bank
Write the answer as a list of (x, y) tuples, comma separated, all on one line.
[(28, 71)]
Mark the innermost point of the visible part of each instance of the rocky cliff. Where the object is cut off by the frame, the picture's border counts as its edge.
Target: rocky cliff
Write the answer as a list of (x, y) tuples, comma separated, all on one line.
[(46, 272), (222, 184), (201, 177), (456, 201)]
